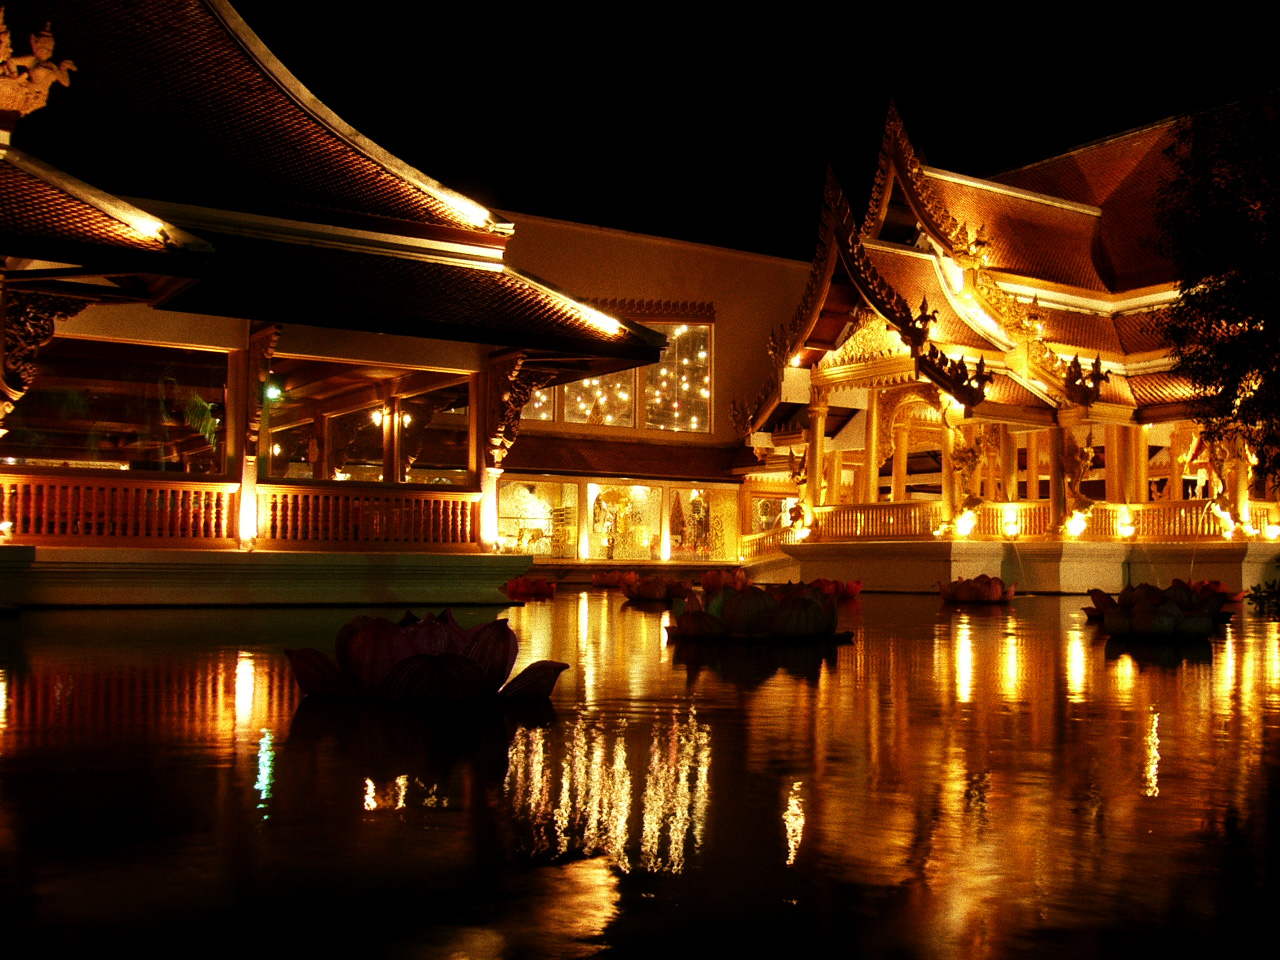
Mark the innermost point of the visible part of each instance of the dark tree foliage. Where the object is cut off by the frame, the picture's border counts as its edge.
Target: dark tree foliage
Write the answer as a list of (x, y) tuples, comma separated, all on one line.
[(1220, 228)]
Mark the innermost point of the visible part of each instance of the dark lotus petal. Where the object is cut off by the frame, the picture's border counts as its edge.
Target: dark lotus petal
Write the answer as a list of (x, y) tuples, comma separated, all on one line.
[(534, 682), (342, 645), (494, 647), (409, 619), (425, 680), (317, 674), (373, 650), (460, 637), (430, 635)]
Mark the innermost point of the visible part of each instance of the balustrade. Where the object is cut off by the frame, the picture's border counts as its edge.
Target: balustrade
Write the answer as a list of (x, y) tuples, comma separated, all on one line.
[(105, 506), (334, 515)]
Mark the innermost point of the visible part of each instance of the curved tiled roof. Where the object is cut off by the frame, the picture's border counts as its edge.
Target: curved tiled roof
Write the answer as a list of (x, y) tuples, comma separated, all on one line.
[(1004, 389), (915, 278), (35, 210), (1122, 175), (328, 287), (1156, 388), (1028, 237), (1090, 333), (1140, 332), (169, 106)]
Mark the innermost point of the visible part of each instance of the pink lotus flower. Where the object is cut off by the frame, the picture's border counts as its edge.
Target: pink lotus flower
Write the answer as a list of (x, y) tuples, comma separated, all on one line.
[(428, 662)]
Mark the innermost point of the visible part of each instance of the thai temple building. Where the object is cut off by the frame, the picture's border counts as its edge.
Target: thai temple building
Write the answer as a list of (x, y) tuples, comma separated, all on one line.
[(251, 357), (975, 381)]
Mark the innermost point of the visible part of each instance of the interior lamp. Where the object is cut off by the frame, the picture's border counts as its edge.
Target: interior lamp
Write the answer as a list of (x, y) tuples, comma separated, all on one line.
[(1124, 523), (1076, 523), (966, 522)]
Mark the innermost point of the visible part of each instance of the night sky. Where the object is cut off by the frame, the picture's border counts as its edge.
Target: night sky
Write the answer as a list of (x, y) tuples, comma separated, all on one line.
[(722, 135)]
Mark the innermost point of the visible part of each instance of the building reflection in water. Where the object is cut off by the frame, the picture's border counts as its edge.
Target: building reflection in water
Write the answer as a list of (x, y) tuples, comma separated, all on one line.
[(577, 793), (996, 774)]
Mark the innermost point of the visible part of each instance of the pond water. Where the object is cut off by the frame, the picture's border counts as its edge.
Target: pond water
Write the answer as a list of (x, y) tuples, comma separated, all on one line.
[(989, 783)]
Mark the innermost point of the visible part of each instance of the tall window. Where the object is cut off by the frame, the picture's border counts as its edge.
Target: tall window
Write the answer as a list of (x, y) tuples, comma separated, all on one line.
[(676, 390)]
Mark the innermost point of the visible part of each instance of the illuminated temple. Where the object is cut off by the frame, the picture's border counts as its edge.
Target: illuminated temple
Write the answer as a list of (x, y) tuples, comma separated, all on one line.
[(249, 356), (975, 381)]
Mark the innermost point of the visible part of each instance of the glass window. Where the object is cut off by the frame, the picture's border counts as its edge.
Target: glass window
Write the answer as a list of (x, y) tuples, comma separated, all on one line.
[(541, 406), (677, 389), (703, 524), (121, 406), (603, 400), (625, 522), (538, 518)]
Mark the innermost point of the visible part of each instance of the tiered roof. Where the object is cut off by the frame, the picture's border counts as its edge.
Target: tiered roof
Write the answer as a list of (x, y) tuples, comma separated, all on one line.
[(184, 112), (1022, 272)]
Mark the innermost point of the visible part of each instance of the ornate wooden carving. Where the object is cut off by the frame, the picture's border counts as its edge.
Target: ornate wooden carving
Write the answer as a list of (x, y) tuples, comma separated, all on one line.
[(1083, 388), (28, 320), (510, 387), (262, 347), (954, 377), (25, 81)]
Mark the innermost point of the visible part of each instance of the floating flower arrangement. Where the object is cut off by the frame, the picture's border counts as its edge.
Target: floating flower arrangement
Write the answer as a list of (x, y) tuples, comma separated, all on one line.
[(979, 589), (431, 662), (1182, 611), (527, 588), (754, 615)]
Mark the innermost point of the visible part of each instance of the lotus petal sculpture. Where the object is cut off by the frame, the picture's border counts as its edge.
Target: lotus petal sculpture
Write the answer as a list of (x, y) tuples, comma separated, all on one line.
[(429, 662), (734, 577), (1180, 612), (607, 578), (979, 589), (525, 588), (653, 588), (753, 614)]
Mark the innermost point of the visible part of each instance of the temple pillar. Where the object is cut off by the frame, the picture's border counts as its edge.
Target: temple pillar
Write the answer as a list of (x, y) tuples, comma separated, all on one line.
[(948, 470), (1057, 484), (1240, 480), (871, 476), (1114, 475), (901, 447), (1033, 465), (1141, 458), (835, 474), (239, 465), (1008, 464), (815, 436)]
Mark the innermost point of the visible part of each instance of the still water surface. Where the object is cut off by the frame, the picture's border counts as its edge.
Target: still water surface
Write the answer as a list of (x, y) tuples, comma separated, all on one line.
[(951, 785)]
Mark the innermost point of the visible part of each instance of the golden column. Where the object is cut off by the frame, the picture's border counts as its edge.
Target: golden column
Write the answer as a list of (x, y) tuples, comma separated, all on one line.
[(871, 475), (814, 439)]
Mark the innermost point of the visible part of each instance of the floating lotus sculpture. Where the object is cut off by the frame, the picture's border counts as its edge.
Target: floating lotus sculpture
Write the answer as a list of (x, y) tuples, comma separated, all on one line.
[(428, 662), (979, 589), (1179, 612), (820, 589), (734, 577), (607, 578), (754, 614), (658, 589), (526, 588)]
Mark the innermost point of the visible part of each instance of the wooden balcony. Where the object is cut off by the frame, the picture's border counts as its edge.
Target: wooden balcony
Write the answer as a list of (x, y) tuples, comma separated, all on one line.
[(87, 508), (116, 508), (340, 515)]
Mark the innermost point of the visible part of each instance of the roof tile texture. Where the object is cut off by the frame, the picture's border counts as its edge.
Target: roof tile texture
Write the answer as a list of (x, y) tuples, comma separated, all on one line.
[(176, 110), (29, 207)]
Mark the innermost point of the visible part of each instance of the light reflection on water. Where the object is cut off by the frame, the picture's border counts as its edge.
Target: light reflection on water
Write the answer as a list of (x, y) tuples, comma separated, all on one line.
[(952, 784)]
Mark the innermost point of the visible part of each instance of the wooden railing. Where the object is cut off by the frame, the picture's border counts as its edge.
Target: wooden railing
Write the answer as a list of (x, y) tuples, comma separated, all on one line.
[(337, 515), (104, 506), (912, 519), (756, 546), (1163, 521)]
